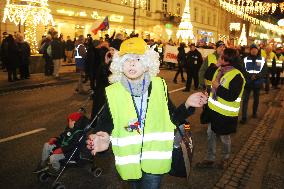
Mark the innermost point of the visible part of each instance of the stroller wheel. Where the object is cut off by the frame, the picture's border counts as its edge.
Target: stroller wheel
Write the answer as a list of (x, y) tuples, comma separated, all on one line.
[(58, 185), (96, 171), (43, 177)]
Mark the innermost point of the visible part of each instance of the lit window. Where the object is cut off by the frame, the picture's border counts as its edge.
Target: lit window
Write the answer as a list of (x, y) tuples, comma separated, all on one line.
[(178, 8), (165, 6), (148, 5)]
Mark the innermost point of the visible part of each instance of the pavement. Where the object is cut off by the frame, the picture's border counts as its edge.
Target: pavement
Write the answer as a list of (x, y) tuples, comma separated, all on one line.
[(67, 74), (259, 163)]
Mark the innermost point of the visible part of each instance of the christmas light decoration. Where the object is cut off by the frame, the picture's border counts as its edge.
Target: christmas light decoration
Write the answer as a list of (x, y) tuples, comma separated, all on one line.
[(281, 6), (251, 7), (233, 9), (185, 26), (243, 38), (30, 13), (235, 26), (139, 3)]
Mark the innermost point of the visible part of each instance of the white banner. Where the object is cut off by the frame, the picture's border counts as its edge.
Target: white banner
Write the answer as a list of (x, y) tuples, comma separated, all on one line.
[(171, 52)]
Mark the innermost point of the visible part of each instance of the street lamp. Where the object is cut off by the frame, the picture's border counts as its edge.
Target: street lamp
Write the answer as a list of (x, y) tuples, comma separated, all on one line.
[(137, 4)]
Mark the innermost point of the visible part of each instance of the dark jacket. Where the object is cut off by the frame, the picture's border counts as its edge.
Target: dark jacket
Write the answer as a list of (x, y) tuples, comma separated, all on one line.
[(220, 124), (68, 140), (116, 44), (57, 49), (181, 57), (25, 53), (69, 45), (193, 60), (12, 53), (253, 65)]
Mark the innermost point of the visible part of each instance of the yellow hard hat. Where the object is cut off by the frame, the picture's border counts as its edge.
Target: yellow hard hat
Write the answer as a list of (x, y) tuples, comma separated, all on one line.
[(133, 45)]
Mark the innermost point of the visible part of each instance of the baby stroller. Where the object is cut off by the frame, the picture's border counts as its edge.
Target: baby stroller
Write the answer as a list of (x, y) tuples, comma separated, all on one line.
[(75, 158)]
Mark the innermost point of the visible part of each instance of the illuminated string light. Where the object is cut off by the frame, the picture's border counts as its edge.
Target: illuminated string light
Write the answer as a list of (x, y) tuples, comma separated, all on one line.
[(233, 8), (139, 3), (252, 7), (281, 6), (30, 13)]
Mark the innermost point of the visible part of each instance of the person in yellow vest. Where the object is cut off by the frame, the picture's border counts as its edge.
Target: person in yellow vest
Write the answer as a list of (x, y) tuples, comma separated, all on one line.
[(224, 104), (269, 56), (139, 116), (279, 60), (210, 59)]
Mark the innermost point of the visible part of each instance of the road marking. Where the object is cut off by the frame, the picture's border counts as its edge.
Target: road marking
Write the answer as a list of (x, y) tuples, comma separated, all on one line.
[(21, 135), (179, 89)]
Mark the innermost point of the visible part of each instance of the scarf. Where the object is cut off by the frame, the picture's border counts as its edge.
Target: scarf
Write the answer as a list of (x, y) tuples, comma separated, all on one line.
[(222, 71), (137, 85)]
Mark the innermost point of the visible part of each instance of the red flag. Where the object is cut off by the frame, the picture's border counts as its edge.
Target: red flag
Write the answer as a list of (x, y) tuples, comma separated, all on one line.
[(103, 26)]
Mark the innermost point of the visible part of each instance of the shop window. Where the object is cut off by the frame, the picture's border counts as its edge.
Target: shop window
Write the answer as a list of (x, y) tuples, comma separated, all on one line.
[(178, 8), (165, 6)]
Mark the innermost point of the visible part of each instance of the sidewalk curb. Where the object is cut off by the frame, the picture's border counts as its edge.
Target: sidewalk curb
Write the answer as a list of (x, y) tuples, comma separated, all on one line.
[(262, 164), (36, 85)]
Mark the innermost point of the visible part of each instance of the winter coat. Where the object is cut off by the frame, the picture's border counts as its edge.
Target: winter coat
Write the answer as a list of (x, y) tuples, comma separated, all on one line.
[(57, 49), (68, 139), (193, 61), (25, 53)]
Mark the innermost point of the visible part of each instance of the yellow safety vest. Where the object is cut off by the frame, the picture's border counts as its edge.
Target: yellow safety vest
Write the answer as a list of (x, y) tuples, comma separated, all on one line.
[(279, 61), (226, 108), (151, 150), (269, 58), (212, 59)]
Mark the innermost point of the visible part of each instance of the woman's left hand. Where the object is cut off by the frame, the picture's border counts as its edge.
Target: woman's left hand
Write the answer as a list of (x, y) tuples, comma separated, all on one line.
[(196, 100)]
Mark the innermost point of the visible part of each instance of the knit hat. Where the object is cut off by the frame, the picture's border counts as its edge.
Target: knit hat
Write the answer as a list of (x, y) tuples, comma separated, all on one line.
[(133, 45), (253, 46), (219, 43), (75, 116)]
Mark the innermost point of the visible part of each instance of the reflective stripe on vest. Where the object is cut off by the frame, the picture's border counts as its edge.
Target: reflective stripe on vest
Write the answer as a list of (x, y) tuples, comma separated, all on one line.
[(77, 51), (222, 106), (152, 150), (269, 59), (279, 61), (261, 62), (212, 59)]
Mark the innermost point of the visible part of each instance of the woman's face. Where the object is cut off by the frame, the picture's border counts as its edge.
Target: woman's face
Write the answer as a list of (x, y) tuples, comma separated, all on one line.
[(133, 68)]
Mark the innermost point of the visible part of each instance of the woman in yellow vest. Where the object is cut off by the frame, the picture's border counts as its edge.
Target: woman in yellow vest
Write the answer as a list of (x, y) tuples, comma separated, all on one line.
[(224, 105), (139, 116)]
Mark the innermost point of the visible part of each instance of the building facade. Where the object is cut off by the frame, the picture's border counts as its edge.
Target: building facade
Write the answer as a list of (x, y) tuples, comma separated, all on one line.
[(158, 19)]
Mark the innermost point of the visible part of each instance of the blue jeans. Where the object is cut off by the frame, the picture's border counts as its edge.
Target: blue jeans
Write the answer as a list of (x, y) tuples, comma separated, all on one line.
[(148, 181), (226, 145)]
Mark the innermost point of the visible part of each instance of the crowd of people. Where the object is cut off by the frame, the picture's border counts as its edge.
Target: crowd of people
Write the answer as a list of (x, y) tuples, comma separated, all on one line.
[(15, 53), (123, 70)]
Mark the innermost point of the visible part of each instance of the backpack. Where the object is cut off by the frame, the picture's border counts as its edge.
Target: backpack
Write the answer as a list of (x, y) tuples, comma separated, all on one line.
[(48, 50)]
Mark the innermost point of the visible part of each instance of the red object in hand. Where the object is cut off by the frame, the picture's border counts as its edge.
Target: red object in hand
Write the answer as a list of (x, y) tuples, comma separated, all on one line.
[(52, 141), (58, 151)]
